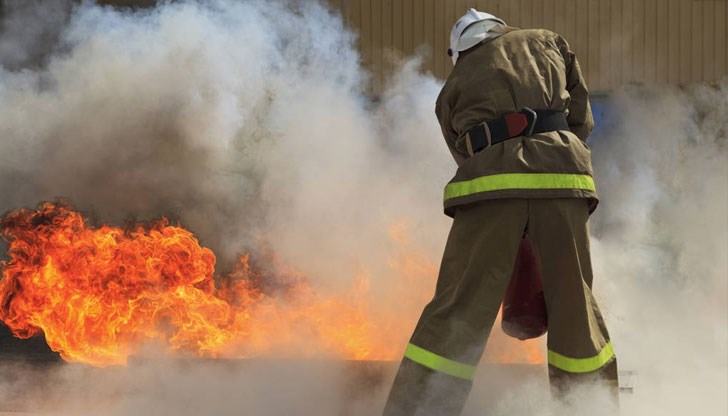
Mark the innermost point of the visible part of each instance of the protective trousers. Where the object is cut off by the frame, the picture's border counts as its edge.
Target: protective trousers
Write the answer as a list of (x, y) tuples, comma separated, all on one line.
[(436, 374)]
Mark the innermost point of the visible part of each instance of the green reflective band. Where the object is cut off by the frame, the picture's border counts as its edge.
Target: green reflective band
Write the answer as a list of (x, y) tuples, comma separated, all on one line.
[(519, 181), (582, 365), (438, 363)]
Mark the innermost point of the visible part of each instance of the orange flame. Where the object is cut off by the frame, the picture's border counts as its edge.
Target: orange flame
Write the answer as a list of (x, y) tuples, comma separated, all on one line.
[(100, 294)]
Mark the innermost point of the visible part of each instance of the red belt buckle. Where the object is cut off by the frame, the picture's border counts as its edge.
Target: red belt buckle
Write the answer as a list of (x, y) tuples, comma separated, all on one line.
[(521, 123)]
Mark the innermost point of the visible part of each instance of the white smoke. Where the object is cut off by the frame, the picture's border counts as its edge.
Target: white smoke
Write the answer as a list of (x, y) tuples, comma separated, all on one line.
[(661, 241), (24, 45), (247, 121), (250, 123)]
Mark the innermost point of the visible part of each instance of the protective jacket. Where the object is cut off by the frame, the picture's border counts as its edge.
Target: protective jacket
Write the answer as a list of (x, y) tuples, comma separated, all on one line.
[(489, 82)]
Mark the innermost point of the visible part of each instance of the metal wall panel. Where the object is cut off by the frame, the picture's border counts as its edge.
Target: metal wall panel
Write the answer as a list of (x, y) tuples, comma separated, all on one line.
[(616, 41)]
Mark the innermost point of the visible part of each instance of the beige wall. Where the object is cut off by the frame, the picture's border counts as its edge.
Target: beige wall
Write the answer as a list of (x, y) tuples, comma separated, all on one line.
[(616, 41)]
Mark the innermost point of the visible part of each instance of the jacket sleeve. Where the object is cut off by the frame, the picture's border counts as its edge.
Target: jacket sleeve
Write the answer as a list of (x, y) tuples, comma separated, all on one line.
[(448, 132), (580, 117)]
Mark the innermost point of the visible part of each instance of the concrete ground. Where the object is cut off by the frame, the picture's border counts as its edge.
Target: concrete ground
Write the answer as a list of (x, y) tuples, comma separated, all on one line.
[(33, 380)]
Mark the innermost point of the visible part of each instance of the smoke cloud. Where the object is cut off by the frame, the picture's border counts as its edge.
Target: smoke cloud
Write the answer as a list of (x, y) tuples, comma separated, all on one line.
[(661, 242), (24, 45), (250, 123), (246, 121)]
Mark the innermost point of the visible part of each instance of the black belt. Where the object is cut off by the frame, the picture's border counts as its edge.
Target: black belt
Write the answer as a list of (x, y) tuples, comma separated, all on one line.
[(524, 123)]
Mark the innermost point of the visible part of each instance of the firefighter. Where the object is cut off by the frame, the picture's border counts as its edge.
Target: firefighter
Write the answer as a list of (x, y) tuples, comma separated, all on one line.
[(515, 115)]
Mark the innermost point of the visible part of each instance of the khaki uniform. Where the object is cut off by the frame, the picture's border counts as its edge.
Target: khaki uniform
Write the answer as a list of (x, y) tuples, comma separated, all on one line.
[(542, 184), (523, 68)]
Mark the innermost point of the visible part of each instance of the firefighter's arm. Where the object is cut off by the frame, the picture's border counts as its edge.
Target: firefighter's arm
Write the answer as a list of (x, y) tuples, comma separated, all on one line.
[(449, 133), (459, 157), (580, 117)]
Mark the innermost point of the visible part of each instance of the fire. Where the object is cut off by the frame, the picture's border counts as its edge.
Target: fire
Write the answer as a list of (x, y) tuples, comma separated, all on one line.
[(102, 294), (99, 294)]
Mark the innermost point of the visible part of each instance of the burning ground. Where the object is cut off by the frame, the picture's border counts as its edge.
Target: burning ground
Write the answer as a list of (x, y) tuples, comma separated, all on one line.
[(247, 124)]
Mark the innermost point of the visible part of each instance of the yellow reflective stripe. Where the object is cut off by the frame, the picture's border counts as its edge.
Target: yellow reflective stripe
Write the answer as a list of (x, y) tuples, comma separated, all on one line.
[(519, 181), (582, 365), (438, 363)]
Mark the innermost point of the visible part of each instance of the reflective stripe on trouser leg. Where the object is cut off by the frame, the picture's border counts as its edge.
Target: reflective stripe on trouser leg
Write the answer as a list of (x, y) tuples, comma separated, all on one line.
[(578, 340), (454, 326), (582, 365), (418, 390), (439, 363)]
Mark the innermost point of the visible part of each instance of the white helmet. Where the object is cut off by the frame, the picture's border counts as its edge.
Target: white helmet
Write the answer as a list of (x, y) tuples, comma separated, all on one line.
[(470, 30)]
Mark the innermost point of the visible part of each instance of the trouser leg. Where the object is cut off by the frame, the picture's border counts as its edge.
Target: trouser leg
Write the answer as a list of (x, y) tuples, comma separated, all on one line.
[(579, 349), (436, 374)]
